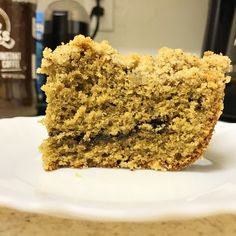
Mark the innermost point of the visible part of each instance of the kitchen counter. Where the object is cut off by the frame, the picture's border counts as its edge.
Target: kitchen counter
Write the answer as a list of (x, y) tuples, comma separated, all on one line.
[(14, 223)]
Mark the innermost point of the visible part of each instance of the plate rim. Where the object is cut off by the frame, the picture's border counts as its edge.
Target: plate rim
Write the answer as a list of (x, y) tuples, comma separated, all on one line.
[(78, 211)]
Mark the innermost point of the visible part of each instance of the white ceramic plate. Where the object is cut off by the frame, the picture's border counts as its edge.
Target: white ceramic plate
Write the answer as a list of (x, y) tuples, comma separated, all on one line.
[(206, 188)]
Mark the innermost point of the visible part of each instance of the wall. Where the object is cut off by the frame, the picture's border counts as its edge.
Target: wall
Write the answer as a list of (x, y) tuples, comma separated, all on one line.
[(145, 26)]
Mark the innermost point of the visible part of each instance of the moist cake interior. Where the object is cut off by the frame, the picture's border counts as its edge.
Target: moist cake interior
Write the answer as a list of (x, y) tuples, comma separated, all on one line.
[(108, 110)]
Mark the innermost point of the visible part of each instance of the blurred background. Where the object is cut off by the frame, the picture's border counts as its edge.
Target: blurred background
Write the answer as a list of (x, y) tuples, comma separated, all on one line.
[(144, 26), (133, 26)]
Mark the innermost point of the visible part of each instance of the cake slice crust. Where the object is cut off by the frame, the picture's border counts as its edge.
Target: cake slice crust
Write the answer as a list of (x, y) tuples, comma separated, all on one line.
[(109, 110)]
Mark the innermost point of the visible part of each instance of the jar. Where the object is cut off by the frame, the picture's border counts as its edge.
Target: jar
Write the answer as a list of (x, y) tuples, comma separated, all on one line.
[(17, 58)]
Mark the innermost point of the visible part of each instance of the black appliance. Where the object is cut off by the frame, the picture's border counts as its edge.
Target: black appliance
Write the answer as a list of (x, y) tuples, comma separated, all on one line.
[(64, 20), (220, 37)]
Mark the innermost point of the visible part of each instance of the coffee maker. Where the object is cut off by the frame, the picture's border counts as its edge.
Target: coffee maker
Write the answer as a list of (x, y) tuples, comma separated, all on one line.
[(220, 37)]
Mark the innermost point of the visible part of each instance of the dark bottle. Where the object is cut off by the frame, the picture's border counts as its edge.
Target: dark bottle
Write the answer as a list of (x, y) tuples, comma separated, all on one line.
[(17, 50)]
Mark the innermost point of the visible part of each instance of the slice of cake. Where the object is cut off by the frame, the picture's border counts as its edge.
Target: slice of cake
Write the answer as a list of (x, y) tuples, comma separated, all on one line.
[(109, 110)]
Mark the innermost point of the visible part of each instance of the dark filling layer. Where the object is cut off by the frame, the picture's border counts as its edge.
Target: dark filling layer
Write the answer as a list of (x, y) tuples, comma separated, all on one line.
[(155, 123)]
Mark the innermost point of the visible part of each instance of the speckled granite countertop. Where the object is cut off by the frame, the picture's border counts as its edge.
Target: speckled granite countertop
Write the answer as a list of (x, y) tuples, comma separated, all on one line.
[(15, 223)]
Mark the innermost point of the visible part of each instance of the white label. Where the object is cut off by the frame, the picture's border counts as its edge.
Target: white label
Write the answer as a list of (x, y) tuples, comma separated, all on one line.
[(10, 61)]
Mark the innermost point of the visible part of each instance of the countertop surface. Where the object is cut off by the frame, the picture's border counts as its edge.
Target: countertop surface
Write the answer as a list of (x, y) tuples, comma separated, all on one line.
[(14, 223)]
